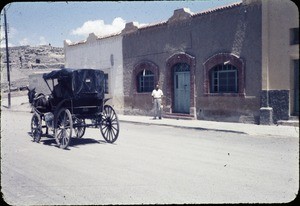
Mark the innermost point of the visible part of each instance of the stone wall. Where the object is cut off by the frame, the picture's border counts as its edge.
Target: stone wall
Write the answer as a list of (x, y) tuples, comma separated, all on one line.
[(278, 100)]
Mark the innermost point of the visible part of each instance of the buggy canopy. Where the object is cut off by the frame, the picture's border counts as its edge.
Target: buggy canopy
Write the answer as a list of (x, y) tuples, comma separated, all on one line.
[(59, 74), (76, 83)]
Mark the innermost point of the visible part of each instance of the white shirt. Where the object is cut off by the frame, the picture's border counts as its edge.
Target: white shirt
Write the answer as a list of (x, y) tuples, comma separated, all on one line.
[(157, 93)]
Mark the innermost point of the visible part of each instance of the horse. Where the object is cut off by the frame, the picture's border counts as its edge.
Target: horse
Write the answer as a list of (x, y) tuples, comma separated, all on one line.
[(38, 101)]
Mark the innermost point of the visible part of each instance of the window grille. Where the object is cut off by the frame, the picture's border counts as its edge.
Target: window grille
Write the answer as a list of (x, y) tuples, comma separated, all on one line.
[(224, 79), (182, 67), (145, 81)]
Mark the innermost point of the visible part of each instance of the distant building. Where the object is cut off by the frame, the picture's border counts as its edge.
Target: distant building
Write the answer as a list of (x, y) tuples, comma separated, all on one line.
[(236, 63)]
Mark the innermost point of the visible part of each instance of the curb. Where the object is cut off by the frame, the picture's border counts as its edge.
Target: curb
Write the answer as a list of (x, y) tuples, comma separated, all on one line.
[(243, 129), (146, 123), (183, 127), (252, 130)]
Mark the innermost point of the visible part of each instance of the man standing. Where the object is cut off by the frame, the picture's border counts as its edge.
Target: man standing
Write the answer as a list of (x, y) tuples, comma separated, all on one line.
[(156, 99)]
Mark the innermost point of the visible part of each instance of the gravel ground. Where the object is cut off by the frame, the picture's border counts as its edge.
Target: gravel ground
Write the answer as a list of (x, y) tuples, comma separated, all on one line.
[(148, 164)]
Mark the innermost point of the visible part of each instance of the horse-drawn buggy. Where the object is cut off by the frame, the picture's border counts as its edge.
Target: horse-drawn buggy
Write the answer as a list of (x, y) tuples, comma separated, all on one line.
[(75, 103)]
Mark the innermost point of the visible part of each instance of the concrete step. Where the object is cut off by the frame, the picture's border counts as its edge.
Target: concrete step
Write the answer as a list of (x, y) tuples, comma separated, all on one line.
[(178, 116), (294, 123), (294, 118)]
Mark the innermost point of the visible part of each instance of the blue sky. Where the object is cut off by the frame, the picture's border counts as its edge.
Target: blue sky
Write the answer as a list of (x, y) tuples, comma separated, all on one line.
[(38, 23)]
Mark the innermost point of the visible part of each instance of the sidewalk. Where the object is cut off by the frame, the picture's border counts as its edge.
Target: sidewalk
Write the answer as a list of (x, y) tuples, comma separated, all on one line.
[(21, 104), (251, 129)]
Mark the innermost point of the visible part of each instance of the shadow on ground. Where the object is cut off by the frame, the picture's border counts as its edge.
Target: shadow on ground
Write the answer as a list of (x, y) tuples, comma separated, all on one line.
[(75, 142)]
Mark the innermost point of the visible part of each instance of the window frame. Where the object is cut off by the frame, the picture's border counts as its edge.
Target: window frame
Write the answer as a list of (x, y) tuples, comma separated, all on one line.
[(224, 59), (142, 82), (215, 84), (139, 69)]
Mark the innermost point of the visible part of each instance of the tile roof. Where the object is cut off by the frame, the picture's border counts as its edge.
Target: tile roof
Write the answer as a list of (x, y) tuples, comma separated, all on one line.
[(217, 9), (194, 15), (152, 25), (109, 35), (98, 38)]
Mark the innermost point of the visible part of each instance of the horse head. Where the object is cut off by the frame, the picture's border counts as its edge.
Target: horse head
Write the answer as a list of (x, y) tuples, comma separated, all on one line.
[(31, 94)]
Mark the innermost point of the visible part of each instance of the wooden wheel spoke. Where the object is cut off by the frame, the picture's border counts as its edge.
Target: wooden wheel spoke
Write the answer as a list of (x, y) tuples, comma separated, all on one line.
[(64, 127), (105, 130), (67, 132), (60, 134), (113, 131), (114, 128), (109, 125), (79, 127), (109, 135)]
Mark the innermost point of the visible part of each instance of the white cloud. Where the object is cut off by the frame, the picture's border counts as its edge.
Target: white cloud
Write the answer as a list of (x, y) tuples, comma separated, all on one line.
[(42, 40), (68, 41), (139, 24), (100, 28), (24, 41), (27, 41)]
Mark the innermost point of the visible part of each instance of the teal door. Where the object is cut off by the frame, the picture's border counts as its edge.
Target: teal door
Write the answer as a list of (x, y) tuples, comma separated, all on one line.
[(181, 88)]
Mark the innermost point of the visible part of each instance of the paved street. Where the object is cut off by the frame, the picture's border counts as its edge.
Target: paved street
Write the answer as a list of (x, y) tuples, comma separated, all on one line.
[(147, 164)]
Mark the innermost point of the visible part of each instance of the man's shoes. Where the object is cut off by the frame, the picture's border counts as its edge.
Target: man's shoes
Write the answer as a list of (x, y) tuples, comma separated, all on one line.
[(155, 118)]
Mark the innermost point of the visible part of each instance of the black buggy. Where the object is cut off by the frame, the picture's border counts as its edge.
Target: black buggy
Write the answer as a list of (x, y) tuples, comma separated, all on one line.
[(77, 97)]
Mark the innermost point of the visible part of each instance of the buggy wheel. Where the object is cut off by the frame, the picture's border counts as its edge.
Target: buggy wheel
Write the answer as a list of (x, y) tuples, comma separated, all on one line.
[(36, 127), (79, 127), (109, 124), (63, 128)]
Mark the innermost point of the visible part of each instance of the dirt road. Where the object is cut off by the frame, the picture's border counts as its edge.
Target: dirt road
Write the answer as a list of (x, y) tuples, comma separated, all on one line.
[(147, 164)]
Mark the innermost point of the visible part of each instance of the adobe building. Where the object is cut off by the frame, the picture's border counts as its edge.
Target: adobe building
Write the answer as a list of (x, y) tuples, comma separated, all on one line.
[(235, 63), (104, 53)]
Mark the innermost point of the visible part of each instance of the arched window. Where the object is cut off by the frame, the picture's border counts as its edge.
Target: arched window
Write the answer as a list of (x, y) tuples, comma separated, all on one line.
[(224, 79), (145, 75), (224, 74), (145, 81)]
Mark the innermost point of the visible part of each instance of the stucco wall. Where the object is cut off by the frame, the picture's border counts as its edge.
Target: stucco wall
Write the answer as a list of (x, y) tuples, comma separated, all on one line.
[(235, 30), (104, 54), (279, 17)]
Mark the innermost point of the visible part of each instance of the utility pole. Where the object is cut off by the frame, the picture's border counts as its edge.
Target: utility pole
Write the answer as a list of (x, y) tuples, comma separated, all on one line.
[(7, 59)]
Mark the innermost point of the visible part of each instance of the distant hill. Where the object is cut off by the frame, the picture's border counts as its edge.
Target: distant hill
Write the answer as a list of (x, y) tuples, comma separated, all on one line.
[(25, 60)]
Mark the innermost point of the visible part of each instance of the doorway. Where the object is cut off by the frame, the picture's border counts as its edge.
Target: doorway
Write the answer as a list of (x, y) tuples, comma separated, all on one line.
[(181, 88)]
